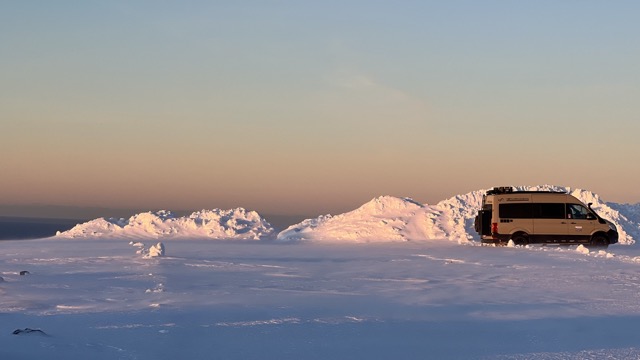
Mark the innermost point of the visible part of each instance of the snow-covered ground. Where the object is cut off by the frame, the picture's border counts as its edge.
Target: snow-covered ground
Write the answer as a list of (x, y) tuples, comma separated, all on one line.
[(391, 279), (438, 299)]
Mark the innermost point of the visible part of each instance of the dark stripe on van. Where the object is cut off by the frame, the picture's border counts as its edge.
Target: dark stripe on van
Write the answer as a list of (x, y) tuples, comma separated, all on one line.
[(532, 211)]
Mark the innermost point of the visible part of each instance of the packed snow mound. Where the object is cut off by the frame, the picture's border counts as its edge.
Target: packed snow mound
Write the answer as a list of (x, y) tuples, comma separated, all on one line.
[(212, 224), (96, 228), (156, 250), (390, 218), (385, 218), (388, 204)]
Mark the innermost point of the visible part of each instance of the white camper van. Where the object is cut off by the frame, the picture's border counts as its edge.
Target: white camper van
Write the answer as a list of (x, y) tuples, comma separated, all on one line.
[(529, 217)]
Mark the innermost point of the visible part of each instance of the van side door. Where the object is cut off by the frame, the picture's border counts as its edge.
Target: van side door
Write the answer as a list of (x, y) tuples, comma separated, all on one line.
[(515, 217), (549, 223), (580, 224)]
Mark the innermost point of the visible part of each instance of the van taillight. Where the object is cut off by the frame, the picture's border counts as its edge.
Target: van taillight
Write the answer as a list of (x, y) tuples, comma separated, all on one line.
[(494, 228)]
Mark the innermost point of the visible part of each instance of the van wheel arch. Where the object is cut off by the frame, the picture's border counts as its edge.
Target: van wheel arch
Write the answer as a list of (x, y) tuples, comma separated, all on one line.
[(599, 239), (520, 238)]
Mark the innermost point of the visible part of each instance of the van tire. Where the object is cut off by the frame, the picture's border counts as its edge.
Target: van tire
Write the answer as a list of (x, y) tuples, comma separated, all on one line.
[(599, 240), (520, 239)]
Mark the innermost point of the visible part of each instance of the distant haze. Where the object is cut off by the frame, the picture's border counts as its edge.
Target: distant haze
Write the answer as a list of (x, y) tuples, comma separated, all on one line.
[(300, 107)]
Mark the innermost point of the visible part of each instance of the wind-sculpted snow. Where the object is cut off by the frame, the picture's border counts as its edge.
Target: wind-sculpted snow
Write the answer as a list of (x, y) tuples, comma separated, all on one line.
[(385, 218), (389, 218), (625, 216), (213, 224)]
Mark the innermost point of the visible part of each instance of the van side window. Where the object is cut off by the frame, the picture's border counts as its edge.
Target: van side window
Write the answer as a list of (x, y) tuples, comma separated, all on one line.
[(515, 211), (576, 211), (532, 211), (549, 210)]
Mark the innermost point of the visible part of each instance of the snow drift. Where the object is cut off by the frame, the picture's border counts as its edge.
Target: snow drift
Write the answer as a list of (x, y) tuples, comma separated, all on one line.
[(385, 218), (213, 224), (390, 218)]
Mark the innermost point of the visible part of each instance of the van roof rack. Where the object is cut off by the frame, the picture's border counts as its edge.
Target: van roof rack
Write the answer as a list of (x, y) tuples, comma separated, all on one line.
[(499, 190)]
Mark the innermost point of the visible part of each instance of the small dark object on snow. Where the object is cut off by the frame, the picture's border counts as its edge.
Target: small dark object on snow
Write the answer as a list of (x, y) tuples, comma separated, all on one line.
[(24, 272), (29, 331)]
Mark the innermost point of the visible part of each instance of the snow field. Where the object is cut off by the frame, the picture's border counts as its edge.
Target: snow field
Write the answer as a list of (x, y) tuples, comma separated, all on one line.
[(391, 279), (436, 299)]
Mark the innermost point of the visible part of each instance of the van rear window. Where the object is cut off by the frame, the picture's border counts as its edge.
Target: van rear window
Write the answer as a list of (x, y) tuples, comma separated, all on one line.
[(532, 211), (516, 211)]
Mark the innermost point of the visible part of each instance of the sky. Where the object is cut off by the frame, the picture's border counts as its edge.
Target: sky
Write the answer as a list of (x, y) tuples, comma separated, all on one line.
[(312, 107)]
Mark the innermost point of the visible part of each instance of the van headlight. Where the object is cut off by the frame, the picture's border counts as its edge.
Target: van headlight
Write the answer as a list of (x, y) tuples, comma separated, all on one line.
[(612, 226)]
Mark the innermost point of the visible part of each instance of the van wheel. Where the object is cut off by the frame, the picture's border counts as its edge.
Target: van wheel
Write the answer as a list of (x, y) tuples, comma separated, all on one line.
[(599, 241), (520, 239)]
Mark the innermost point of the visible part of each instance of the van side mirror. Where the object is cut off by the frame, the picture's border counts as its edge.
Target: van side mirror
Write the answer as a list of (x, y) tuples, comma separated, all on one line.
[(591, 217)]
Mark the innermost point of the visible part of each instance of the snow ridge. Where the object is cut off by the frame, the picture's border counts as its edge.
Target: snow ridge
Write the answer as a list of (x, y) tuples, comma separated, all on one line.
[(212, 224), (385, 218), (388, 218)]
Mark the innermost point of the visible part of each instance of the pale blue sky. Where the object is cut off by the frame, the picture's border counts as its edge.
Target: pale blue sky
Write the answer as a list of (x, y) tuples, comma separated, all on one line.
[(311, 107)]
